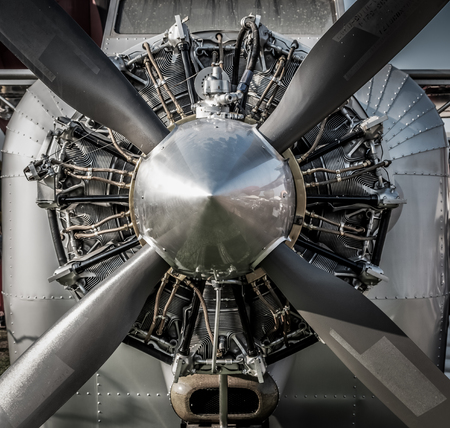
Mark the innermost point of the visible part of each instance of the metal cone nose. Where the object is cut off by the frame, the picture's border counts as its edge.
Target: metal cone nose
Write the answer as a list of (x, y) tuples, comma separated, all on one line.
[(214, 198)]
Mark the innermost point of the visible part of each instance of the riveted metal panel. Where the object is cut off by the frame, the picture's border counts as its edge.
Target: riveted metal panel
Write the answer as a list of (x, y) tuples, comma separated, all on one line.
[(81, 411), (133, 392), (321, 392), (412, 271), (415, 253), (29, 317), (429, 163), (27, 263), (426, 328)]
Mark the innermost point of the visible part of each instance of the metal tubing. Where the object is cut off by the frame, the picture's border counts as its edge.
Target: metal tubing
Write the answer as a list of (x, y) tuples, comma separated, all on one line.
[(255, 48), (101, 199), (98, 224), (244, 320), (56, 237), (11, 106), (80, 266), (289, 58), (79, 133), (162, 81), (371, 200), (186, 341), (381, 236), (102, 232), (223, 401), (349, 177), (444, 107), (329, 147), (158, 91), (216, 328), (286, 352), (184, 49), (279, 66), (316, 141), (120, 184), (357, 267), (119, 149), (237, 56), (148, 349)]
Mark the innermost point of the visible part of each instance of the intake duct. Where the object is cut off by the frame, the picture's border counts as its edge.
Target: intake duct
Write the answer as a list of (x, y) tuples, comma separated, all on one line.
[(195, 399)]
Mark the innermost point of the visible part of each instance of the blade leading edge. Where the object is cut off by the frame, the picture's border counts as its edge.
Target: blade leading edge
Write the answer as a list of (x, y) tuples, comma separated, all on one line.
[(69, 353), (365, 339), (52, 45), (353, 50)]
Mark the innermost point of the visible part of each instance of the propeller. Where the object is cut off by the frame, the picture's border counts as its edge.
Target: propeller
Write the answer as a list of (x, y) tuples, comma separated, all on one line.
[(353, 50), (68, 354), (365, 339), (52, 45)]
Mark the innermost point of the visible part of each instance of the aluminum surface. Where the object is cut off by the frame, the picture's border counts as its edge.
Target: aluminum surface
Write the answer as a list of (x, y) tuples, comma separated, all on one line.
[(213, 198), (367, 341), (32, 304), (415, 257), (62, 360), (319, 388)]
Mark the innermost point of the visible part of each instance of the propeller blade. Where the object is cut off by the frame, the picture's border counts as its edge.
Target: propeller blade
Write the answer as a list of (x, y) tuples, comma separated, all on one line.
[(52, 45), (366, 340), (69, 353), (355, 48)]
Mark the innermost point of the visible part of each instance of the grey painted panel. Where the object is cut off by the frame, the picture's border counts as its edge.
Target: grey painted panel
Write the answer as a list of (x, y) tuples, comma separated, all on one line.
[(414, 139), (133, 392), (321, 391), (34, 261), (28, 319), (2, 141), (432, 163), (128, 391), (116, 45), (14, 166), (427, 329), (428, 140), (81, 411), (412, 271)]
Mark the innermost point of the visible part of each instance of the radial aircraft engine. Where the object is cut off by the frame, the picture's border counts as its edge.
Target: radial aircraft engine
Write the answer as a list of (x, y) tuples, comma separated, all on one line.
[(221, 204)]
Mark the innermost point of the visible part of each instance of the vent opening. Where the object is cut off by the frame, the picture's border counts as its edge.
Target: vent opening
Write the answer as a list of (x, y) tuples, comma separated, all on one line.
[(240, 401)]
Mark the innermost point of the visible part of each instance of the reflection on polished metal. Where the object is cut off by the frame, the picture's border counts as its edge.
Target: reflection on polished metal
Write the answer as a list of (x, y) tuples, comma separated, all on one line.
[(214, 198)]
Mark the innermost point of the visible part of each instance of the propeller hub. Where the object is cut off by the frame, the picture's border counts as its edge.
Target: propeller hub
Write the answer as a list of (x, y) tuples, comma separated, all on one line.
[(214, 198)]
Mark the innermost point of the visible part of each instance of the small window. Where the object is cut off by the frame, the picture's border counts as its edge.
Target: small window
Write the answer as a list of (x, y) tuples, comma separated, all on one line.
[(302, 17)]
